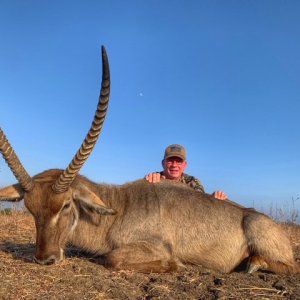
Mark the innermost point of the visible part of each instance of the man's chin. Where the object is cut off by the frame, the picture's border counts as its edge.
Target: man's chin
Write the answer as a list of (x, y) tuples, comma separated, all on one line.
[(174, 176)]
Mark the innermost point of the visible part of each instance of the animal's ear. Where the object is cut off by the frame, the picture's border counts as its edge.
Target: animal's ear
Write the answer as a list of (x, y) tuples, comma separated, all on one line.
[(88, 200), (12, 193)]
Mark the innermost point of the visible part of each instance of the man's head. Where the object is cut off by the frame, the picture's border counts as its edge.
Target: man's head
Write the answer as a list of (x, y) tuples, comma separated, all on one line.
[(174, 162)]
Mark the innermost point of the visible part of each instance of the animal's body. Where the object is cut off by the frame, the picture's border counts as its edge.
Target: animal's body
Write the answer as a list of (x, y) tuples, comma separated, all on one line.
[(141, 226), (160, 227)]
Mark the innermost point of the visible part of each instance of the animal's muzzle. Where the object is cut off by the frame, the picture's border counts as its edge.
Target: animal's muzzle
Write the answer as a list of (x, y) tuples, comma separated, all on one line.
[(50, 260)]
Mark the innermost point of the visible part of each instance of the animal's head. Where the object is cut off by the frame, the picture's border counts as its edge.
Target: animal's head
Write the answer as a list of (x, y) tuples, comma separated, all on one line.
[(53, 197)]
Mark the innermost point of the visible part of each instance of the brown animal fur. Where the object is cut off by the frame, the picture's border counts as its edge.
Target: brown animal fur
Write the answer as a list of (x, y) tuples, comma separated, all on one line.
[(152, 227)]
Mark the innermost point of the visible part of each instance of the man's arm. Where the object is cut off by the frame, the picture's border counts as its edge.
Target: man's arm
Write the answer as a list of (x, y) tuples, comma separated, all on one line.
[(193, 182)]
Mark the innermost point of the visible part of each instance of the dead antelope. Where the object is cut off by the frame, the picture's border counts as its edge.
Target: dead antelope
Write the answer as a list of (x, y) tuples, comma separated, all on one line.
[(141, 226)]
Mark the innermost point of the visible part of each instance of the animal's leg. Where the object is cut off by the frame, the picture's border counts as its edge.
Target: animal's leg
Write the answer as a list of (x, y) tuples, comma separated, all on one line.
[(269, 245), (256, 263), (141, 257)]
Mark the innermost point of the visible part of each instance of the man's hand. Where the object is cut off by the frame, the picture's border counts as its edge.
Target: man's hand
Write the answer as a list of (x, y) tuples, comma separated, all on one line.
[(154, 177), (219, 195)]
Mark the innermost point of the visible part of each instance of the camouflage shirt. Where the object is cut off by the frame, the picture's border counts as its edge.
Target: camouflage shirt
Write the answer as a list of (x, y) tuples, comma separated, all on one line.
[(191, 181)]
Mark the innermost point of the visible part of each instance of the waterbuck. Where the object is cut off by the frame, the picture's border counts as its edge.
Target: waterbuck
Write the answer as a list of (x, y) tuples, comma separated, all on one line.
[(141, 226)]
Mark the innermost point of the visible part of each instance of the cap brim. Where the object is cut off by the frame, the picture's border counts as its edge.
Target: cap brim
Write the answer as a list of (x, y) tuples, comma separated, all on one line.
[(176, 155)]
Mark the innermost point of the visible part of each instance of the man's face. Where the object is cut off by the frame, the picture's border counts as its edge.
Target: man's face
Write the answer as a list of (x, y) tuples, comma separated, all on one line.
[(174, 167)]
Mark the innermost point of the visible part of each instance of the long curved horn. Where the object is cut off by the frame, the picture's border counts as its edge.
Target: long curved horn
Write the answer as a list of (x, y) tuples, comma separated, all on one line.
[(14, 163), (67, 177)]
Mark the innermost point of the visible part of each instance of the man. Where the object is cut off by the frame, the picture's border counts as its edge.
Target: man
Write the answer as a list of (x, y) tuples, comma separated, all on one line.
[(174, 164)]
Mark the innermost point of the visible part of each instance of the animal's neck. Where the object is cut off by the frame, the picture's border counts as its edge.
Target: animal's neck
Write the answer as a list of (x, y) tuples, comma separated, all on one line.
[(91, 232), (92, 236)]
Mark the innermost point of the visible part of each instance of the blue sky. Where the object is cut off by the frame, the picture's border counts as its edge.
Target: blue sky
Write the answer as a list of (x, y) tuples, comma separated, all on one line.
[(219, 77)]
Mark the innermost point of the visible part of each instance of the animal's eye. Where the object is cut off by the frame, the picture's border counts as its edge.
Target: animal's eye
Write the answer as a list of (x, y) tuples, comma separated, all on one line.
[(66, 206)]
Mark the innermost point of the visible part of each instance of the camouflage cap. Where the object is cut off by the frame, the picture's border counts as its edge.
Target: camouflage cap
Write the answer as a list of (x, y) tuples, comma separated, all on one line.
[(175, 150)]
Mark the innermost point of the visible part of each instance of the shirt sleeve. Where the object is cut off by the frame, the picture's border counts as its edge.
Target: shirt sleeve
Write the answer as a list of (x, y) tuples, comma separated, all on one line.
[(196, 185), (193, 182)]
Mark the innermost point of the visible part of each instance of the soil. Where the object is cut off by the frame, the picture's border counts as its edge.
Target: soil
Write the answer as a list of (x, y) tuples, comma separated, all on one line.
[(80, 276)]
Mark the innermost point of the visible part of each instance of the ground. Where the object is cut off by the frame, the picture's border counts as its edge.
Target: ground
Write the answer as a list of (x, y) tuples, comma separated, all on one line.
[(80, 276)]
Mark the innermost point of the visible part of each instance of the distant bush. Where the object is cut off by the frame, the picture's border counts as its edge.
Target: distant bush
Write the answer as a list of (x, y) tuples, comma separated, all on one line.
[(11, 208), (6, 211)]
